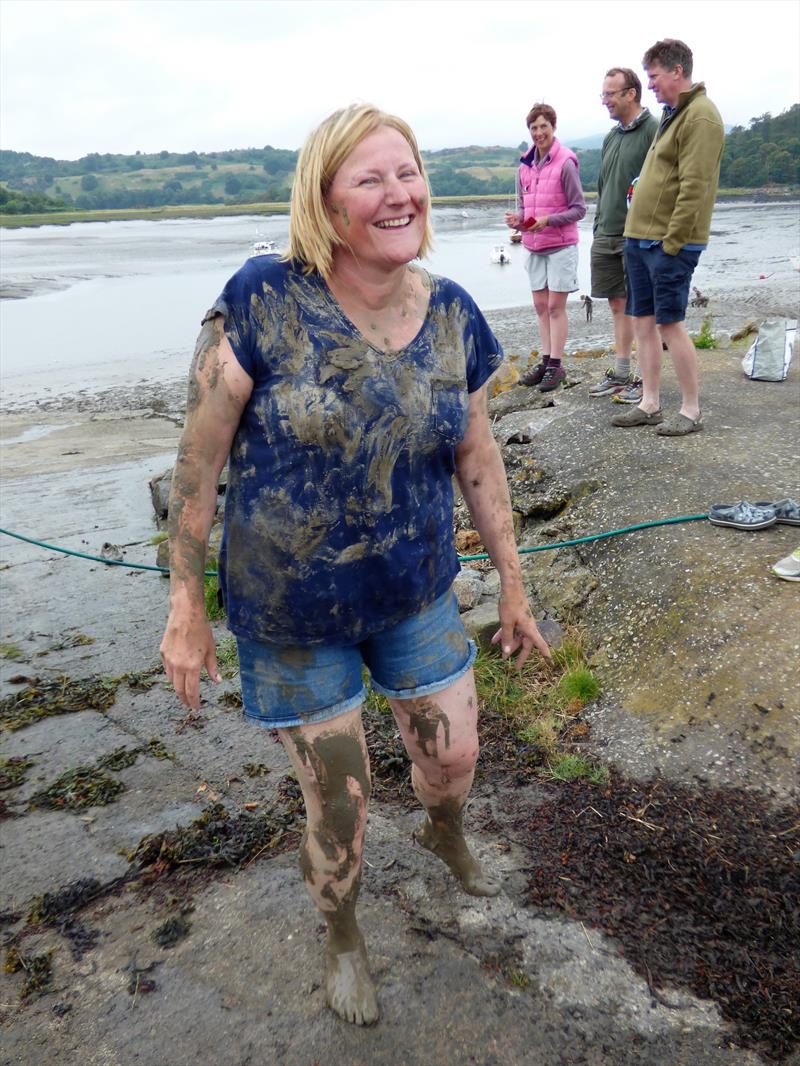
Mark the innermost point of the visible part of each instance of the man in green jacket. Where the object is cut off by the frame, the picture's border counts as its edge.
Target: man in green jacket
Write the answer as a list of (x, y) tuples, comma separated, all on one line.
[(624, 151), (667, 228)]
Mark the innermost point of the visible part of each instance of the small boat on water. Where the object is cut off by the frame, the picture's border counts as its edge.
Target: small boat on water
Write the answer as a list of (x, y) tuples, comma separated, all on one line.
[(515, 238), (264, 248), (499, 255)]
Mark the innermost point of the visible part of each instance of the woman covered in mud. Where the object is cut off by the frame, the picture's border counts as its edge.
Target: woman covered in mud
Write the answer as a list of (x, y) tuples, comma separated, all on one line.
[(347, 386)]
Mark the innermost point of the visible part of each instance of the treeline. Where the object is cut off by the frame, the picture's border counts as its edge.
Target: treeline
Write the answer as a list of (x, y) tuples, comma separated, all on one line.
[(767, 152)]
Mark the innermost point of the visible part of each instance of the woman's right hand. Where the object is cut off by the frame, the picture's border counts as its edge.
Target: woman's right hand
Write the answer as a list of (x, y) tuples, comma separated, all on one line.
[(513, 219), (187, 647)]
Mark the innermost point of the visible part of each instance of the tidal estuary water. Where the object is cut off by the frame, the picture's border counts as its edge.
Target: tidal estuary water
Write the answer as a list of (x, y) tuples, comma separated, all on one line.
[(98, 304)]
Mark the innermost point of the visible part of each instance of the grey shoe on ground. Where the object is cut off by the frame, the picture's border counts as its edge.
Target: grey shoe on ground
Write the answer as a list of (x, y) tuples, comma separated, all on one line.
[(679, 425), (635, 416), (742, 515), (631, 394), (786, 511), (609, 385)]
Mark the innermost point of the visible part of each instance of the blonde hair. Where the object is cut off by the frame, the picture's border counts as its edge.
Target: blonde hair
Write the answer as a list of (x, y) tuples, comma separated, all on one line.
[(312, 238)]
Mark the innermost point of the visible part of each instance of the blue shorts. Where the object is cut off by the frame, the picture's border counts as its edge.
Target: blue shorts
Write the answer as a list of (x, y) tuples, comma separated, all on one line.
[(291, 685), (658, 284)]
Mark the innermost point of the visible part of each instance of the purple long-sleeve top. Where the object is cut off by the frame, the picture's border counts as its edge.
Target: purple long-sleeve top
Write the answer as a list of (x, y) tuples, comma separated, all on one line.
[(573, 194)]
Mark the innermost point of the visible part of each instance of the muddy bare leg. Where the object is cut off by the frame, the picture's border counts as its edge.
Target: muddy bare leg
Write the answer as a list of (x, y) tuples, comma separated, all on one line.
[(332, 766), (441, 737)]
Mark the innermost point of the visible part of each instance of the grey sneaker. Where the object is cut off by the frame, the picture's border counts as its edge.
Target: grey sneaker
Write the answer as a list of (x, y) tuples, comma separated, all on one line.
[(610, 384), (631, 394)]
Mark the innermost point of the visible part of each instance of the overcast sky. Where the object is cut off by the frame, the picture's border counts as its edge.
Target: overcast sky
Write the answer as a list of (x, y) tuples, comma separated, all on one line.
[(78, 76)]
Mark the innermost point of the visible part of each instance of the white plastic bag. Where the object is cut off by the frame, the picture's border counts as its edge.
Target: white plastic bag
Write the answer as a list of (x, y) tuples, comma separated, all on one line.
[(770, 354)]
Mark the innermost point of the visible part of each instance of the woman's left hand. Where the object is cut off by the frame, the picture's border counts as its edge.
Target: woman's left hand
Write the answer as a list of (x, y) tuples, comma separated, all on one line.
[(518, 630), (540, 224)]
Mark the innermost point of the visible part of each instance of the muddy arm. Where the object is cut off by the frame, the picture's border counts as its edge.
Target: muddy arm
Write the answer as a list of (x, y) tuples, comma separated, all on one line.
[(218, 391), (482, 478)]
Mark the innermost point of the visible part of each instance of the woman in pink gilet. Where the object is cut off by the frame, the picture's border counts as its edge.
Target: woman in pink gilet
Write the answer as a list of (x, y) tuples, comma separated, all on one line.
[(549, 206)]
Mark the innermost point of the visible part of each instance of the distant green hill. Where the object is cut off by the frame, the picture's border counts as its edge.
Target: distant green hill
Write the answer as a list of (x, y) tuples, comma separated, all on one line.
[(767, 152)]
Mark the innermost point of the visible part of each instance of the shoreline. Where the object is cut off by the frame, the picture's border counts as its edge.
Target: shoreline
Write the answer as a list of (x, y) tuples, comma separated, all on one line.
[(784, 194)]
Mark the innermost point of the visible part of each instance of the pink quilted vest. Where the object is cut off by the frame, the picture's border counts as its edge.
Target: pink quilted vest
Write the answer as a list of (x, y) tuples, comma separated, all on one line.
[(542, 195)]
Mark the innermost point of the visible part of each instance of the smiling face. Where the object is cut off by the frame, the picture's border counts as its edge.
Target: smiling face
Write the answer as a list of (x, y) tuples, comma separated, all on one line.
[(666, 84), (378, 202), (617, 98), (542, 134)]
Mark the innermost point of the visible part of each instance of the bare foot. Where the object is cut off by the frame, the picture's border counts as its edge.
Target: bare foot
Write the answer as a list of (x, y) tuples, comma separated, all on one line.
[(348, 986), (446, 839)]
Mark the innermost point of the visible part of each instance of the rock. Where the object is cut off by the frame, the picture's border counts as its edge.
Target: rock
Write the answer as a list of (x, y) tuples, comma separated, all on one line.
[(482, 622), (160, 486), (468, 542), (468, 587), (551, 631), (560, 581), (519, 399), (520, 427), (722, 339), (112, 551)]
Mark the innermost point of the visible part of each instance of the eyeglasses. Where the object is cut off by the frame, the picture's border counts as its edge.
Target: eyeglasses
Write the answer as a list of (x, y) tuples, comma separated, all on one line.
[(607, 96)]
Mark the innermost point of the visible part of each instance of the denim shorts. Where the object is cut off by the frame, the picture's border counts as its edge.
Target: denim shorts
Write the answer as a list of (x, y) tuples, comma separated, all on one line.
[(658, 284), (291, 685)]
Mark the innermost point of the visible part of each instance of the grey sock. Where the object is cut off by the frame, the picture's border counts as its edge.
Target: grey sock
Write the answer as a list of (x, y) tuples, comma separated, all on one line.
[(622, 367)]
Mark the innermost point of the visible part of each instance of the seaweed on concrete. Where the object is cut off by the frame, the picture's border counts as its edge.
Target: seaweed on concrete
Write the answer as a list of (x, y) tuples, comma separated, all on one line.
[(700, 887), (38, 970), (61, 695)]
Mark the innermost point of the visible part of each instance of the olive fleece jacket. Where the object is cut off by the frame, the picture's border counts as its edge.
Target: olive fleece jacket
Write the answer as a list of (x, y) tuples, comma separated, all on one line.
[(675, 194)]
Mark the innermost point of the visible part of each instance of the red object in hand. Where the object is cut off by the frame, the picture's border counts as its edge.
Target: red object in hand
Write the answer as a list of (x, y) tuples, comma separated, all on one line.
[(527, 223)]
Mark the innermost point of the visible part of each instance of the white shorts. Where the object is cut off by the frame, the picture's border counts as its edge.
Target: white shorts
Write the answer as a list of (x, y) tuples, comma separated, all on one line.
[(557, 271)]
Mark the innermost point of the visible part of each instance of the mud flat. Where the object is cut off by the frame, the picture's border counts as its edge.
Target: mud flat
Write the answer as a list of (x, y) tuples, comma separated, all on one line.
[(696, 647)]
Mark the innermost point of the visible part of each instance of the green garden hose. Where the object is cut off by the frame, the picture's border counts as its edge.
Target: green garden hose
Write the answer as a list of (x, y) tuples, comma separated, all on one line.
[(462, 558)]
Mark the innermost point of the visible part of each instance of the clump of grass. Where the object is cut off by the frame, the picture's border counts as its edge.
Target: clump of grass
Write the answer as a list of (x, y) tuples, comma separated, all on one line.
[(11, 652), (529, 716), (227, 656), (158, 538), (212, 599), (705, 338), (576, 687), (569, 767), (518, 978)]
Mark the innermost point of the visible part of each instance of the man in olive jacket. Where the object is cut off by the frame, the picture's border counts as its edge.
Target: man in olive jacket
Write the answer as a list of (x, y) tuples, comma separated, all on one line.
[(667, 228), (624, 151)]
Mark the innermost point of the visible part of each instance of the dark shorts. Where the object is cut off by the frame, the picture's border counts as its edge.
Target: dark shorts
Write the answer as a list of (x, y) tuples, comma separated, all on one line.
[(608, 268), (658, 284), (291, 685)]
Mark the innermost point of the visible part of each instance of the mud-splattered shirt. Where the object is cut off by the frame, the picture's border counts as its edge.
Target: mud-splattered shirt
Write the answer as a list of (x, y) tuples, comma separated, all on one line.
[(339, 506)]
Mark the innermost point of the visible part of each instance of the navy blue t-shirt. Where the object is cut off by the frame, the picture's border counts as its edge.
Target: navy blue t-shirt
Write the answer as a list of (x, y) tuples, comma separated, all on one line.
[(339, 506)]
